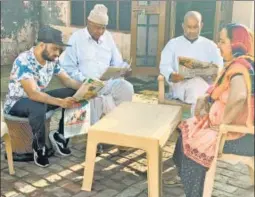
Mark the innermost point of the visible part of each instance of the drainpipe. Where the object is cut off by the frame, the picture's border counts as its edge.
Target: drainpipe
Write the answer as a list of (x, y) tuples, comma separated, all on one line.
[(37, 23), (39, 18)]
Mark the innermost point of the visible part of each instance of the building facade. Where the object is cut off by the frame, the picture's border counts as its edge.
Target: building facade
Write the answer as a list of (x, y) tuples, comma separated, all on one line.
[(142, 28)]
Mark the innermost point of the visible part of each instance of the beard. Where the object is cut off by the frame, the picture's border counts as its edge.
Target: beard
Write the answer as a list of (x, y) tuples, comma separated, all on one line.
[(46, 56)]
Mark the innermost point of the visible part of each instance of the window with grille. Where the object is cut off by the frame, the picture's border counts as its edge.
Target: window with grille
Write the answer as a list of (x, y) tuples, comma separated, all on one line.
[(119, 13)]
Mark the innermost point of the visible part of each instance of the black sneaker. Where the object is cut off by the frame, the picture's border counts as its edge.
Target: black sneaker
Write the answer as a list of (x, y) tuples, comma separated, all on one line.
[(59, 143), (41, 157), (100, 149), (61, 138)]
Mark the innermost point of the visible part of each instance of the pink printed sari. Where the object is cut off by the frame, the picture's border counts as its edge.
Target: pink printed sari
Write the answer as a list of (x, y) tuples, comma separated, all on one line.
[(199, 137)]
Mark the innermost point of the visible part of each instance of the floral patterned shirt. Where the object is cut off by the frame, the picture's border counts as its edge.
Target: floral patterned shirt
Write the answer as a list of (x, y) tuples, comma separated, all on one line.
[(26, 66)]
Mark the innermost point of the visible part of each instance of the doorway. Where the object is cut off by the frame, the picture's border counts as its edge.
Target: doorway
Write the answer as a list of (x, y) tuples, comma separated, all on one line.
[(147, 36)]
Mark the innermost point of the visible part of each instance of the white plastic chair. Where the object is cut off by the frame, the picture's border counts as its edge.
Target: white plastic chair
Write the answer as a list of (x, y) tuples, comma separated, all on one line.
[(234, 159), (8, 146)]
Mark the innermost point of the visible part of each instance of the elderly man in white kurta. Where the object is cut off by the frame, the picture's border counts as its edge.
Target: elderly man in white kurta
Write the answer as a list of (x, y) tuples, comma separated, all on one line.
[(92, 51), (192, 45)]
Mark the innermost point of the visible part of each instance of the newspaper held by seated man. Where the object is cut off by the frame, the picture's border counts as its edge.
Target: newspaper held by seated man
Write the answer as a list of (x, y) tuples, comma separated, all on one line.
[(190, 68), (88, 89), (114, 72), (77, 120)]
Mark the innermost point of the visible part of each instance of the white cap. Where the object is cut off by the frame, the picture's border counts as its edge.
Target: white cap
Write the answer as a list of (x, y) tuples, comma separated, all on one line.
[(99, 15)]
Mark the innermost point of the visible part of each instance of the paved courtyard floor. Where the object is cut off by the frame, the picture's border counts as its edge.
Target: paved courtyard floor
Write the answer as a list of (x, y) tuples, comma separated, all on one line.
[(117, 173)]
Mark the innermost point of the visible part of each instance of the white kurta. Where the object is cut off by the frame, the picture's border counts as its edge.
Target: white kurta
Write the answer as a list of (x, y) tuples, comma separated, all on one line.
[(87, 58), (202, 49)]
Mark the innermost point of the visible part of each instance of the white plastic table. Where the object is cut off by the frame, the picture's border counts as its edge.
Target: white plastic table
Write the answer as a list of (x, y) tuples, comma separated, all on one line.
[(138, 125)]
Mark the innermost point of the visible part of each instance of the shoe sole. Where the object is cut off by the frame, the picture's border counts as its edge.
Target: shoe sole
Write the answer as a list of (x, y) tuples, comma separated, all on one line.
[(55, 145), (38, 163)]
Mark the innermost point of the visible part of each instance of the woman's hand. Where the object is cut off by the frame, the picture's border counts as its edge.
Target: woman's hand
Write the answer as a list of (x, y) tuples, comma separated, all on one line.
[(202, 107), (215, 127)]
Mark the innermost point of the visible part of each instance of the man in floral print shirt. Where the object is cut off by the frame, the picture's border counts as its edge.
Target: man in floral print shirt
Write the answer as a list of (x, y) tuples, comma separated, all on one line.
[(31, 73)]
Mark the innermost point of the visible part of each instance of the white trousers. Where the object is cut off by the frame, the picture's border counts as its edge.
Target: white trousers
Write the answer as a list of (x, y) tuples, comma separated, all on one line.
[(114, 92), (189, 90)]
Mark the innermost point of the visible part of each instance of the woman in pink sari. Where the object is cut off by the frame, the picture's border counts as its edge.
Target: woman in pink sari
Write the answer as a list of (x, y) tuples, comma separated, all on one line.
[(229, 101)]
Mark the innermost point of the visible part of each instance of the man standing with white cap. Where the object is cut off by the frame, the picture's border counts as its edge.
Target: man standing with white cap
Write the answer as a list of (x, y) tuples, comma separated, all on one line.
[(93, 51)]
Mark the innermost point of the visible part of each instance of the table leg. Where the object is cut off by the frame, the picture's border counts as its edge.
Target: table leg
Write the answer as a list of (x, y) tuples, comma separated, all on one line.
[(89, 164), (160, 161), (154, 156)]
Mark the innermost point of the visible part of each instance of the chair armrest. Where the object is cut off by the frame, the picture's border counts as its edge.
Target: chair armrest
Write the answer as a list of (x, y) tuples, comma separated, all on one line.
[(4, 129), (2, 113), (161, 78), (161, 89), (237, 129), (224, 129)]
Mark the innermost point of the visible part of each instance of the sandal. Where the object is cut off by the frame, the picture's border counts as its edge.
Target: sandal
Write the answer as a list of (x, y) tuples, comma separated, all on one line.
[(175, 181)]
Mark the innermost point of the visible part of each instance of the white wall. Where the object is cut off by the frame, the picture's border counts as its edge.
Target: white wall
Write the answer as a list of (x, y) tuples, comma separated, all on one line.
[(243, 12)]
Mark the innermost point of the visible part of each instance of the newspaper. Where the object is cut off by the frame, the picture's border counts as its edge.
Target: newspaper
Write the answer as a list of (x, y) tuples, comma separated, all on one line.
[(190, 68), (116, 72), (77, 120), (88, 89)]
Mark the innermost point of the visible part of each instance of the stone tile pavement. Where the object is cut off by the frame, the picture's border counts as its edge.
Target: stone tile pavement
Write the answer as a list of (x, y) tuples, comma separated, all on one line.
[(117, 174)]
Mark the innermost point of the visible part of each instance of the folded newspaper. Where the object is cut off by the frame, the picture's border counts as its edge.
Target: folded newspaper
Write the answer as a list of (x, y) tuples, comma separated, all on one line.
[(190, 68), (116, 72), (77, 120)]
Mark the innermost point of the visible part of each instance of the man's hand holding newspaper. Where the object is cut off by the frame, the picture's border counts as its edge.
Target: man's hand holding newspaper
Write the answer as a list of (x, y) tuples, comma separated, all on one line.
[(114, 72), (68, 103), (91, 87), (77, 120), (176, 77), (88, 89)]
